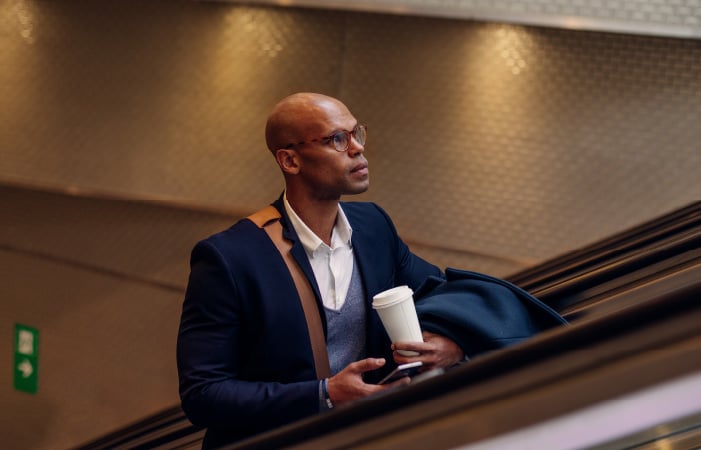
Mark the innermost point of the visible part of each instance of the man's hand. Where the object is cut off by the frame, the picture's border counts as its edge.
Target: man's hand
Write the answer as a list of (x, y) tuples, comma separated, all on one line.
[(348, 385), (435, 352)]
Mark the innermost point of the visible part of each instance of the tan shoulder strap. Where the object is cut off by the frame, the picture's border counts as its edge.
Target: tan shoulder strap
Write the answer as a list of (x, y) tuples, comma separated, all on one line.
[(268, 219), (264, 216)]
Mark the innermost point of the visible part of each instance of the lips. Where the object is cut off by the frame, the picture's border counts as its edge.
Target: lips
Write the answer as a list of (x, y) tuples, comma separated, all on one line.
[(361, 169)]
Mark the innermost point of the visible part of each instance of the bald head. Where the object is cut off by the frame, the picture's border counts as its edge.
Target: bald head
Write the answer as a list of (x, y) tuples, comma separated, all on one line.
[(299, 116)]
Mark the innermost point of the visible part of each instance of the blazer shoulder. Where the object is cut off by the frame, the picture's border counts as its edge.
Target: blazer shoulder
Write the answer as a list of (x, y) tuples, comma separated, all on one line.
[(364, 212), (240, 238), (356, 210)]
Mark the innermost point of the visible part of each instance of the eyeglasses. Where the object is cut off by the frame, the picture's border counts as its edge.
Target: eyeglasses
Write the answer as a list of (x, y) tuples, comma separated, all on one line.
[(340, 139)]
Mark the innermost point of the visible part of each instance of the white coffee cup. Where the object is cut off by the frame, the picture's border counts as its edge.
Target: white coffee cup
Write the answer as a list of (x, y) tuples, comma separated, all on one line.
[(398, 314)]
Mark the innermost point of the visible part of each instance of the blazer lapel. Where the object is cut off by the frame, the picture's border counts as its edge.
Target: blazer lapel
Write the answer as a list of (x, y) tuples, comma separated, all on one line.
[(362, 250), (377, 341)]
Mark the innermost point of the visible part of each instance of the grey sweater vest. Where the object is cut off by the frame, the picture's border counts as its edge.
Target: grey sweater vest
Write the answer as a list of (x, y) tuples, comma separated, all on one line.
[(346, 327)]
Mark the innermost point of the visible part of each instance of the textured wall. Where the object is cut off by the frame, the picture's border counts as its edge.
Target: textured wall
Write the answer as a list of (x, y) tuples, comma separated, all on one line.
[(680, 18), (492, 146), (502, 144)]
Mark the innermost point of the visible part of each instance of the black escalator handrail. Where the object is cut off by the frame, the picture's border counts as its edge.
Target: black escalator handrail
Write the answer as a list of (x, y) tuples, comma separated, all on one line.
[(669, 256), (667, 244), (586, 259), (151, 429)]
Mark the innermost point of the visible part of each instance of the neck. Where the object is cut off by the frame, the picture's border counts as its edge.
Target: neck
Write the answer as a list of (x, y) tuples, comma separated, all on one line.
[(318, 215)]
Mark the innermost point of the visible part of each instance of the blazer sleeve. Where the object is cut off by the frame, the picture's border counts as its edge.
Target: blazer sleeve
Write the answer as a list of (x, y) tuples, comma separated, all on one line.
[(209, 351)]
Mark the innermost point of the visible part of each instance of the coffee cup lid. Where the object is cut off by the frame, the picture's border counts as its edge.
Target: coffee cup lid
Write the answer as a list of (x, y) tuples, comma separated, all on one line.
[(391, 296)]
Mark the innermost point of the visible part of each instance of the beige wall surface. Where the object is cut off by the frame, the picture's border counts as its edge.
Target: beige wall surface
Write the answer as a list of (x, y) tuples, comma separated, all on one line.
[(492, 146), (105, 358)]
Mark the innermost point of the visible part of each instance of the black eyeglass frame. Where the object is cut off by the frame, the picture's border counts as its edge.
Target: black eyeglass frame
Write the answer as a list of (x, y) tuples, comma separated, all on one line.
[(332, 138)]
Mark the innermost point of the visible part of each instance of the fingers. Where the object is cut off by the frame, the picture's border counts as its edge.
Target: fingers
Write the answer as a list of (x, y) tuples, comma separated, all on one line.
[(437, 351), (405, 352), (427, 346), (348, 385), (421, 352)]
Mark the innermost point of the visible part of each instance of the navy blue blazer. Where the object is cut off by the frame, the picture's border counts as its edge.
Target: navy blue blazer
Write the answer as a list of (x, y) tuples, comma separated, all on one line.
[(244, 357)]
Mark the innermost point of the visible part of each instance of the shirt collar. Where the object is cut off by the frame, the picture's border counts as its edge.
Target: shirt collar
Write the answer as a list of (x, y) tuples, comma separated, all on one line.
[(341, 234)]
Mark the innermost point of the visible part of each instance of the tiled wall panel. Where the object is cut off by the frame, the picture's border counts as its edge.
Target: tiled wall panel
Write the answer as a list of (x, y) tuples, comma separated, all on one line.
[(679, 18), (503, 144), (544, 140)]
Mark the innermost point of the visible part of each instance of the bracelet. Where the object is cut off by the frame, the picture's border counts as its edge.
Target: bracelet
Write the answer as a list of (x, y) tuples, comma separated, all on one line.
[(327, 399)]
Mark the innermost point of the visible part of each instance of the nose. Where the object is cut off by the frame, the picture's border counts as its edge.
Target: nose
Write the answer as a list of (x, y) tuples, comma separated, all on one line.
[(355, 147)]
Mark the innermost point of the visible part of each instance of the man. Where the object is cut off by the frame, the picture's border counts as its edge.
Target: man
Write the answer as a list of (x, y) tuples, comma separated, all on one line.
[(245, 360)]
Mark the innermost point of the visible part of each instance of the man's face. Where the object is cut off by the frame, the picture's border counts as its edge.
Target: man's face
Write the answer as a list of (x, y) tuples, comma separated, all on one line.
[(326, 173)]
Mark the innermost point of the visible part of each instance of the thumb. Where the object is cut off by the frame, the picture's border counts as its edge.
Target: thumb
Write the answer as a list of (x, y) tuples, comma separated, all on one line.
[(367, 364)]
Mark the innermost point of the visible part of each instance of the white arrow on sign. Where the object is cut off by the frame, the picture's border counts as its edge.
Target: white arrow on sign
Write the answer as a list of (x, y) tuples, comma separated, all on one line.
[(26, 368)]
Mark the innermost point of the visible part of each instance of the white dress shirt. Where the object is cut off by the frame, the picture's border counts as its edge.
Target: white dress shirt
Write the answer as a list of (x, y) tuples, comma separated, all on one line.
[(332, 266)]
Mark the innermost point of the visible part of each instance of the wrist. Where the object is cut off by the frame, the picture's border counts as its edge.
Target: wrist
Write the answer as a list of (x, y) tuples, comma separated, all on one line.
[(325, 393)]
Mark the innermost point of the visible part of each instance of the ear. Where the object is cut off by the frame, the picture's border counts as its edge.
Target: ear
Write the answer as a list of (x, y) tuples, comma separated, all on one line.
[(288, 160)]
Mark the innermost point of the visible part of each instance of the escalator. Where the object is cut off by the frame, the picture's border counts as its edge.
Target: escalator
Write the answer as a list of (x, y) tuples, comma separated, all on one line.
[(625, 374)]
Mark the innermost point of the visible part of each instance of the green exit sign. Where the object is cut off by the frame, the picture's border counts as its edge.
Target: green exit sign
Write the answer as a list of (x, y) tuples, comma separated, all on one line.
[(26, 359)]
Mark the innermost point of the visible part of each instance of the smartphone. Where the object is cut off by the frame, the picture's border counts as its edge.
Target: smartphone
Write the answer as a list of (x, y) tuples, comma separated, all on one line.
[(403, 370)]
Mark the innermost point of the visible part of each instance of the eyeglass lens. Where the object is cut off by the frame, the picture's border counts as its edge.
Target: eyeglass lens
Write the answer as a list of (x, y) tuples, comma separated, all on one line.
[(341, 139)]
